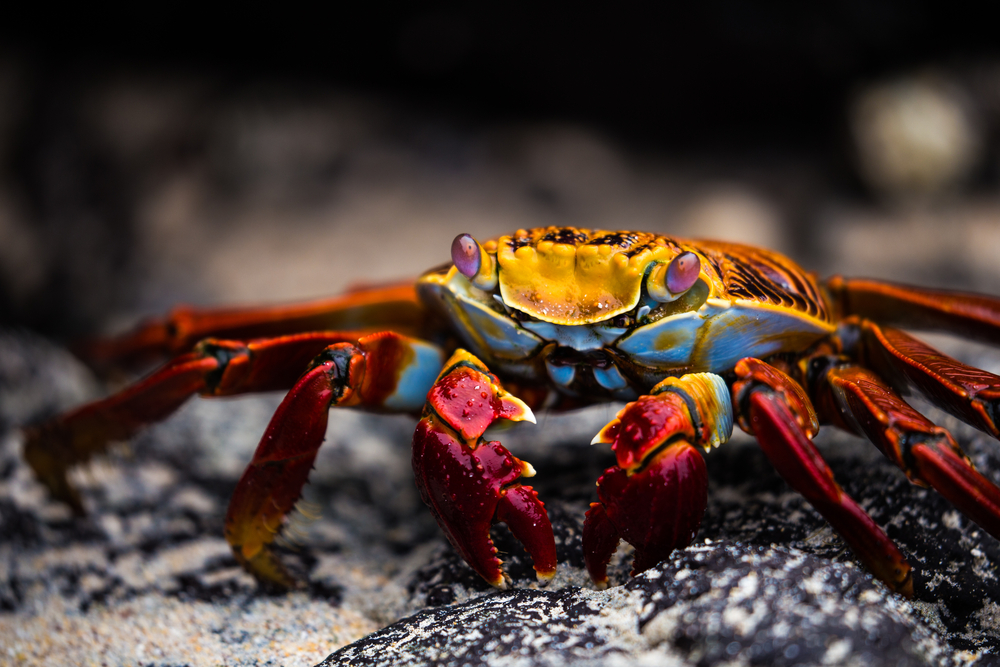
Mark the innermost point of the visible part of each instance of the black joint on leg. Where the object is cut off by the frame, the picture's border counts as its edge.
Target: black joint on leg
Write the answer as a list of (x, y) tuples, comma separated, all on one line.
[(819, 367), (221, 353), (340, 355), (692, 408), (849, 337), (743, 399), (910, 440)]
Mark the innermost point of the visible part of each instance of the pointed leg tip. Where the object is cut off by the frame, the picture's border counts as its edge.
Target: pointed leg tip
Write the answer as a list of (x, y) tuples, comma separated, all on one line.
[(600, 585), (267, 569), (545, 576)]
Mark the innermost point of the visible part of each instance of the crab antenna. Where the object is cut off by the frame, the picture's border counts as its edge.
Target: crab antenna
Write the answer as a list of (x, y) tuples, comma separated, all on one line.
[(667, 282), (473, 262)]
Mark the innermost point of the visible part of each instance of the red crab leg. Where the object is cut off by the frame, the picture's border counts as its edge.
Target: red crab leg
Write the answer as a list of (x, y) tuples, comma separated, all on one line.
[(856, 399), (394, 307), (775, 409), (382, 371), (655, 497), (971, 315), (214, 368), (969, 393), (469, 483)]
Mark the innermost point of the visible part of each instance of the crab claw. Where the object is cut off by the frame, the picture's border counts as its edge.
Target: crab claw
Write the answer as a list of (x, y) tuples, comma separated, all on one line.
[(655, 497), (470, 484)]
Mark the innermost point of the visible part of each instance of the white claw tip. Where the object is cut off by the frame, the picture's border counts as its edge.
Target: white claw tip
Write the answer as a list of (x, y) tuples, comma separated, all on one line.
[(529, 416), (521, 412), (600, 439)]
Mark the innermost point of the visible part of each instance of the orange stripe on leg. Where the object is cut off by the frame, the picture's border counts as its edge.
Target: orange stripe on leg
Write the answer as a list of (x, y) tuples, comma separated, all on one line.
[(971, 394)]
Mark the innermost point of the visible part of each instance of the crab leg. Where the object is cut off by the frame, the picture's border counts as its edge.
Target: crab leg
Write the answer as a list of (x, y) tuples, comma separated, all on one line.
[(858, 400), (972, 315), (655, 497), (774, 408), (469, 483), (395, 307), (971, 394), (214, 368), (384, 372)]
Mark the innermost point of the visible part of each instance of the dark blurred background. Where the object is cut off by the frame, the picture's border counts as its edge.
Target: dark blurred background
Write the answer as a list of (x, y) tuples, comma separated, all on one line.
[(148, 158)]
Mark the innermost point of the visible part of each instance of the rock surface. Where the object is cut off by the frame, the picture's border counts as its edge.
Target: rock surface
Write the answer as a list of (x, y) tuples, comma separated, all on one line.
[(709, 604), (767, 582)]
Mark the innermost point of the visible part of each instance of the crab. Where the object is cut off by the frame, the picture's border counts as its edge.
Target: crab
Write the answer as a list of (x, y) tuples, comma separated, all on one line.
[(694, 335)]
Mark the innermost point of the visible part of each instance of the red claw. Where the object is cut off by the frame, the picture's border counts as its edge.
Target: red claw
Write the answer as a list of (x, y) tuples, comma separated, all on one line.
[(656, 510), (470, 484), (655, 497)]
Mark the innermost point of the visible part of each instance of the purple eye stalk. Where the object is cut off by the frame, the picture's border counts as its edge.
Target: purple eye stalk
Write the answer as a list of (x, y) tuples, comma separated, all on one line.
[(668, 282), (473, 262)]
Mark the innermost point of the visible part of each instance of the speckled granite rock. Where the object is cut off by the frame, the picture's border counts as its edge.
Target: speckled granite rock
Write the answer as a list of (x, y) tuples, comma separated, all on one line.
[(147, 578), (709, 604)]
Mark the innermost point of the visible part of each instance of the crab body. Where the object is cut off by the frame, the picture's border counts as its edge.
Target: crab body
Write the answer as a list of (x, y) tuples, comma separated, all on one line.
[(571, 312), (697, 335)]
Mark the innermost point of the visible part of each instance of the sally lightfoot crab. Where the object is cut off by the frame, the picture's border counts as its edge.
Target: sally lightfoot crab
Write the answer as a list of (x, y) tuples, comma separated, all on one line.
[(697, 335)]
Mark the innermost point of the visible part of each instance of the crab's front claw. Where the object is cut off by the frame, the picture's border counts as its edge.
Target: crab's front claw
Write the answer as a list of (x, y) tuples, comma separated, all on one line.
[(470, 484), (656, 496)]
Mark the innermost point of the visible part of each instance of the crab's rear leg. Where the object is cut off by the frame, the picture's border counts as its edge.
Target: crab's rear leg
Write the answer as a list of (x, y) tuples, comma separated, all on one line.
[(971, 394), (655, 497), (214, 368), (394, 308), (470, 484), (857, 399), (965, 314), (776, 409)]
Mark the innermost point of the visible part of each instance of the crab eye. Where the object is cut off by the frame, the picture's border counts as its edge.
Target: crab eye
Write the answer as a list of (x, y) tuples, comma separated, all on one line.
[(473, 262), (682, 272), (668, 282), (465, 255)]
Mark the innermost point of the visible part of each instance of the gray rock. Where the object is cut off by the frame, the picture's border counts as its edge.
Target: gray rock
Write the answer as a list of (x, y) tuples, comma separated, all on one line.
[(719, 603)]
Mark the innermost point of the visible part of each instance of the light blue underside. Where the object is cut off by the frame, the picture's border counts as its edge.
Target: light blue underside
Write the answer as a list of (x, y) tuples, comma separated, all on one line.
[(562, 376), (610, 378), (718, 335), (416, 378), (579, 337)]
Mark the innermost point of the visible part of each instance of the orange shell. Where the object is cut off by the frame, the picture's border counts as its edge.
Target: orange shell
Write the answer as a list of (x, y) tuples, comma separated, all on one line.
[(577, 276)]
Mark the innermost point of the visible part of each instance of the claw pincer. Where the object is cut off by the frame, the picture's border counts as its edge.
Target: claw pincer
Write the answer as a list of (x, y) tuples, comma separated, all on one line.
[(469, 483), (655, 497)]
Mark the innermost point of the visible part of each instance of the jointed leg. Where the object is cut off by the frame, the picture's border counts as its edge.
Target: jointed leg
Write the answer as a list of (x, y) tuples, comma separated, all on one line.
[(395, 308), (381, 372), (214, 368), (858, 400), (777, 411), (971, 394), (972, 315)]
